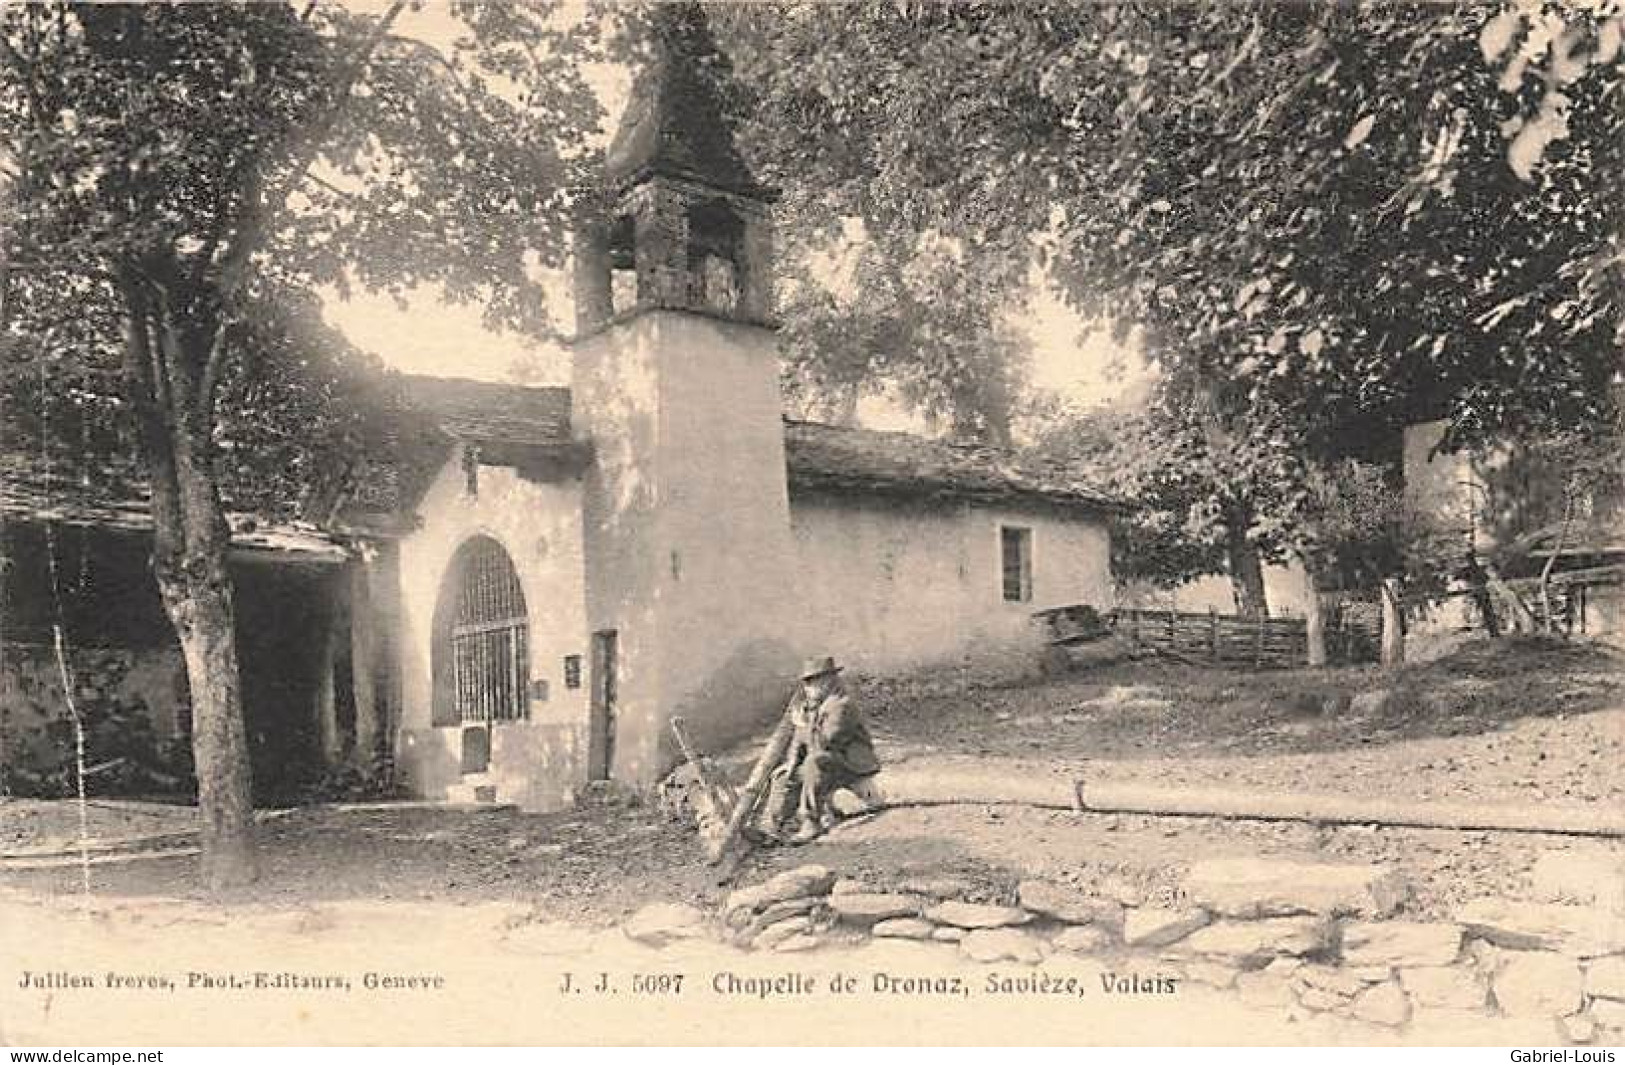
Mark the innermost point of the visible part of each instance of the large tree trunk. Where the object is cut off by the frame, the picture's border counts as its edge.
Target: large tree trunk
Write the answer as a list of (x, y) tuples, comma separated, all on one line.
[(170, 366), (1315, 617), (1247, 576), (202, 613), (1393, 625)]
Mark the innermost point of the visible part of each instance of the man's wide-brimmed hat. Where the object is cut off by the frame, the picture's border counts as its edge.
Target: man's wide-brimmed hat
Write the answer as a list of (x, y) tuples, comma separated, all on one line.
[(818, 666)]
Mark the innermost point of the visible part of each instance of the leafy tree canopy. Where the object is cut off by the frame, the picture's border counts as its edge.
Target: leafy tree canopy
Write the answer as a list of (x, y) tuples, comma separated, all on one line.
[(1335, 215)]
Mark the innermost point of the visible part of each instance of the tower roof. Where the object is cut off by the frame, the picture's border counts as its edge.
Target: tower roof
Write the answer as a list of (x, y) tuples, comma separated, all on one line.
[(674, 124)]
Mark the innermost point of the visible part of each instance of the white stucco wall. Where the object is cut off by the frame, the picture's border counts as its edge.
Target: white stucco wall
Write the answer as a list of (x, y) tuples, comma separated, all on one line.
[(888, 585), (687, 525), (540, 762), (1286, 591), (1444, 487)]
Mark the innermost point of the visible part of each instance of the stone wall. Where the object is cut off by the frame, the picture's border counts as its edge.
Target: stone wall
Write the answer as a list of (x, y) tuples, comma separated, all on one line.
[(131, 702), (1318, 942)]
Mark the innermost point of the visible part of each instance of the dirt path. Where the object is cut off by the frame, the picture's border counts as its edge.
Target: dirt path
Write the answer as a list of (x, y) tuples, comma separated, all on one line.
[(1498, 720), (594, 864), (1504, 722)]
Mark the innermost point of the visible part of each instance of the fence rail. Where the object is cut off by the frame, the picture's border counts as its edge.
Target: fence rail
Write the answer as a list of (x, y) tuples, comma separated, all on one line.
[(1212, 638)]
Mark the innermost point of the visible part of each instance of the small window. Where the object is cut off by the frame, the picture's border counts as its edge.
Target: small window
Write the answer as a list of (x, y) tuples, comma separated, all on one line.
[(1016, 559), (623, 266)]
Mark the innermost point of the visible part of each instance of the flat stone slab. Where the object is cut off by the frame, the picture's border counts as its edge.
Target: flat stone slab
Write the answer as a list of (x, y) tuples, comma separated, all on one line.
[(1253, 887), (777, 933), (937, 887), (866, 908), (1002, 944), (1608, 1013), (1156, 926), (1264, 990), (1314, 998), (1578, 1028), (792, 883), (1401, 943), (1330, 980), (780, 910), (1605, 977), (1583, 931), (1445, 987), (1082, 939), (796, 944), (1385, 1004), (903, 928), (1275, 936), (977, 915), (660, 923), (947, 934), (1537, 984), (1068, 904), (1212, 974)]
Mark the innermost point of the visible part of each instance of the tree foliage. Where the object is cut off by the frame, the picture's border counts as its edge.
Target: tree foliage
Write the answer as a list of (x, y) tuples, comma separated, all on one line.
[(183, 176), (1336, 210), (1330, 220)]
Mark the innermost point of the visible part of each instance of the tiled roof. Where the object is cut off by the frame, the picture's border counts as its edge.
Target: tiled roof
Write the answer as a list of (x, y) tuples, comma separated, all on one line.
[(674, 124), (822, 457), (482, 412), (867, 460)]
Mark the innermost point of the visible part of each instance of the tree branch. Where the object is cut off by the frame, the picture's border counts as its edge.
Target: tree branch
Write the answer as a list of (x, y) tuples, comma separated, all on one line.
[(141, 387), (259, 197), (25, 71)]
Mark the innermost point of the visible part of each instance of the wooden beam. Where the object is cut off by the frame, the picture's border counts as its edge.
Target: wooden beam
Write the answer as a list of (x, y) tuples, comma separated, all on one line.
[(364, 668), (329, 742)]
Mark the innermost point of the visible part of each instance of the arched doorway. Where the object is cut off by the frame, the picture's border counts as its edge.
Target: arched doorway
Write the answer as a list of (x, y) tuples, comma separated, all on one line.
[(482, 647)]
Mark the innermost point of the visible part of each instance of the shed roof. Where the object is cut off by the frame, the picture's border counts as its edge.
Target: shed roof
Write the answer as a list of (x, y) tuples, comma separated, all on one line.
[(32, 494), (1603, 535)]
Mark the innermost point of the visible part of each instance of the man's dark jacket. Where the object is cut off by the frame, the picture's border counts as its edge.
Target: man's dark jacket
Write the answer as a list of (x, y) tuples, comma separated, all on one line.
[(836, 728)]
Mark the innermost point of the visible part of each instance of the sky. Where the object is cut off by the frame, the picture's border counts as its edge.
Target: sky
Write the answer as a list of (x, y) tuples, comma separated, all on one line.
[(431, 336)]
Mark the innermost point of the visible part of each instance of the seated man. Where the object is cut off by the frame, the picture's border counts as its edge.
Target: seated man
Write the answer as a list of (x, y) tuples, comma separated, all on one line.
[(831, 749)]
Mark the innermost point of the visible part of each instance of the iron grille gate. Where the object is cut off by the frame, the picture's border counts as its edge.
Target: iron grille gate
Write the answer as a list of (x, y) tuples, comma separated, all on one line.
[(490, 638)]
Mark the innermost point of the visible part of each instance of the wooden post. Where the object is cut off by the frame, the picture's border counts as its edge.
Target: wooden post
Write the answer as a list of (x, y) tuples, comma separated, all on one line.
[(1314, 628), (1134, 627), (1213, 633), (364, 668), (326, 701), (1258, 646)]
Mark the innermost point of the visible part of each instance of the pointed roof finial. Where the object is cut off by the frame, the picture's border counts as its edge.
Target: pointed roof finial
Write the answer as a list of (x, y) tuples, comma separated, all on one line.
[(675, 124)]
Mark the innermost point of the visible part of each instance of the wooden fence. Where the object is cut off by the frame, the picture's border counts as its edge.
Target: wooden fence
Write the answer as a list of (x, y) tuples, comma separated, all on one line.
[(1211, 638)]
